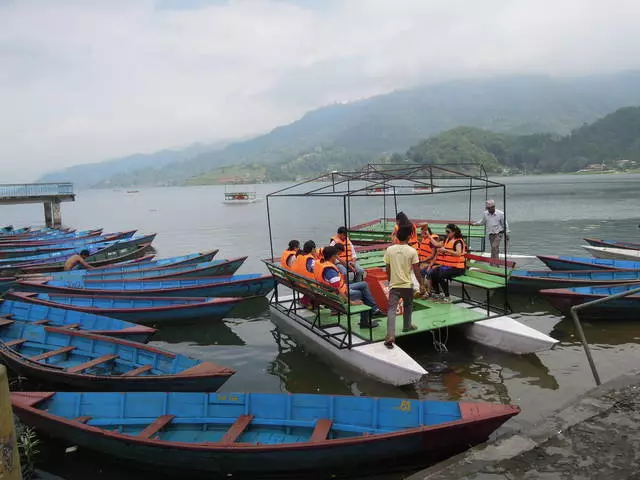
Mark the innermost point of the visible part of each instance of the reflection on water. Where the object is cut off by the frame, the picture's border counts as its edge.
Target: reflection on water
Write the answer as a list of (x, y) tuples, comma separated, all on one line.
[(548, 215)]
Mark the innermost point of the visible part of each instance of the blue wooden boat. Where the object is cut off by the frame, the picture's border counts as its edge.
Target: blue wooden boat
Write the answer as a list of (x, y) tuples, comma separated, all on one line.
[(84, 361), (587, 263), (9, 231), (62, 317), (248, 285), (6, 283), (627, 308), (49, 239), (612, 243), (135, 309), (261, 433), (545, 279)]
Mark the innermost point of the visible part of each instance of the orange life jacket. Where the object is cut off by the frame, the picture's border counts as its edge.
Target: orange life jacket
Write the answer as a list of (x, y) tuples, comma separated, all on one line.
[(447, 260), (345, 256), (319, 253), (286, 255), (318, 272), (300, 265), (413, 238), (425, 250)]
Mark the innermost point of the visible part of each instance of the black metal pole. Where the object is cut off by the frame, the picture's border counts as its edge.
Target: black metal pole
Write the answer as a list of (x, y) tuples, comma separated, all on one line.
[(271, 243), (348, 252), (506, 259)]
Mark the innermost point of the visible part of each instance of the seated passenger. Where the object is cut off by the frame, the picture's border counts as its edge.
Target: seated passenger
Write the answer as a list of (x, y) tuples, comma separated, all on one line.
[(450, 262), (347, 258), (303, 264), (401, 220), (289, 255), (76, 261), (326, 271), (427, 253)]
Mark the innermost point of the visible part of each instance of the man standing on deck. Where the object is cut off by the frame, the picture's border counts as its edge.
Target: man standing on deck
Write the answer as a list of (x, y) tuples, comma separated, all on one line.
[(497, 227), (401, 261)]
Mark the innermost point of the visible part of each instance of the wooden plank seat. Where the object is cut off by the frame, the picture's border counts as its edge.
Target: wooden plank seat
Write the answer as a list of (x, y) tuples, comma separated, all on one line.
[(91, 363), (44, 321), (235, 430), (82, 419), (157, 425), (137, 371), (52, 353), (5, 322), (321, 430), (487, 274), (16, 342)]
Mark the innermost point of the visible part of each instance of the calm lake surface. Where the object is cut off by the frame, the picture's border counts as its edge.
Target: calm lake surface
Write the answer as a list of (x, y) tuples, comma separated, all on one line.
[(548, 215)]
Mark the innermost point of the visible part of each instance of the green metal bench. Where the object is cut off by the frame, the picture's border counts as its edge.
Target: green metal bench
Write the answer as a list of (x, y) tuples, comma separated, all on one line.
[(319, 294), (487, 274)]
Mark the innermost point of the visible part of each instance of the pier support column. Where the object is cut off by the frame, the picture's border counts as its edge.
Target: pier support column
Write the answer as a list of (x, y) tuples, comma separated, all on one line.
[(56, 213), (9, 455), (48, 214)]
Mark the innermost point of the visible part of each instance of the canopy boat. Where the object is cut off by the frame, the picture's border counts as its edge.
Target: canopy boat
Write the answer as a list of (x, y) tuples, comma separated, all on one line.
[(239, 198), (50, 240), (7, 252), (586, 263), (97, 259), (626, 308), (80, 360), (426, 189), (612, 243), (544, 279), (614, 253), (135, 309), (62, 317), (258, 433), (248, 285)]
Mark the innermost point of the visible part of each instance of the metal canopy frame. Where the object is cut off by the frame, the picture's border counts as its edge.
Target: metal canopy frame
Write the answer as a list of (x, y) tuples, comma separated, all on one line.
[(342, 184)]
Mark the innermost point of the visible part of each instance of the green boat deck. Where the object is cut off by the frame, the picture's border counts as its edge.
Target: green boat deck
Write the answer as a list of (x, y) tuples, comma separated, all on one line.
[(427, 316)]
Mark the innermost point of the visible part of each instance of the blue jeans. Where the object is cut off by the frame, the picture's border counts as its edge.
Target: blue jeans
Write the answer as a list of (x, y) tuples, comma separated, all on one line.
[(360, 291), (359, 274)]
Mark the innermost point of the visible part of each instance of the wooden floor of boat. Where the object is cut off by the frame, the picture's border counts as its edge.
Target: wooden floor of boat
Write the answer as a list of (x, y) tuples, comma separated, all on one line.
[(427, 315)]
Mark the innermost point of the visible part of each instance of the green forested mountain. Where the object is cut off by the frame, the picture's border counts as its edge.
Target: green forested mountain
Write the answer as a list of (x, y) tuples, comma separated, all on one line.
[(608, 140), (348, 135)]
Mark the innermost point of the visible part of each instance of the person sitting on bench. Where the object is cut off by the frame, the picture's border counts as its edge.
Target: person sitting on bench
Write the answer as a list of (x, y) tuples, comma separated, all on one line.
[(450, 262)]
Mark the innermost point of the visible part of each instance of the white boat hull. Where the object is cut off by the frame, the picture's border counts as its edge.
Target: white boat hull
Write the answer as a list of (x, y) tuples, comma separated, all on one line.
[(613, 253), (392, 366), (239, 202)]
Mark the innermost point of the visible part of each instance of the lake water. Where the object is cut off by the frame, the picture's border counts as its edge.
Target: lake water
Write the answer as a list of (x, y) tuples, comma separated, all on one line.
[(548, 215)]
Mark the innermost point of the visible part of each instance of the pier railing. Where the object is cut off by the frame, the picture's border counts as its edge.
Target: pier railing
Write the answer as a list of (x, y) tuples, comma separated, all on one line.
[(17, 190)]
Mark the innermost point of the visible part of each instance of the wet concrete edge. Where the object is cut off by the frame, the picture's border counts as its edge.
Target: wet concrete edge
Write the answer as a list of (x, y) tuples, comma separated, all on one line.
[(592, 403)]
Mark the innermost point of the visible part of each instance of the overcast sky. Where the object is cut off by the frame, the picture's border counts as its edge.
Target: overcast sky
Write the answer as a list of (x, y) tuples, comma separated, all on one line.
[(86, 80)]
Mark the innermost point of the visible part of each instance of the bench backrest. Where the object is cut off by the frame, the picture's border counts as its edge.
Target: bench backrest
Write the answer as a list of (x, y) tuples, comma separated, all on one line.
[(488, 266)]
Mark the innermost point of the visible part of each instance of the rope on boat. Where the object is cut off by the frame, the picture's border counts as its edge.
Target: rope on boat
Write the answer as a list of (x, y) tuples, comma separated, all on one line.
[(440, 339)]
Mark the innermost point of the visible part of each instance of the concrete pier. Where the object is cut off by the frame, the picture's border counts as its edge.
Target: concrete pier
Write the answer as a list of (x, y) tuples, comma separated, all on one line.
[(9, 455), (51, 195)]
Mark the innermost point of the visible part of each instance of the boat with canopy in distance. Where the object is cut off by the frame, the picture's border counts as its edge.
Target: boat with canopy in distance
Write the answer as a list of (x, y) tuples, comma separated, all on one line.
[(255, 434), (330, 327), (239, 197)]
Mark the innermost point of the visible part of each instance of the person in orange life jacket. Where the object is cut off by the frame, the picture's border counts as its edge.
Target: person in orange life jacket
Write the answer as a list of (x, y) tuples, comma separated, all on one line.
[(450, 262), (401, 261), (427, 253), (326, 271), (347, 259), (303, 266), (289, 255), (402, 219)]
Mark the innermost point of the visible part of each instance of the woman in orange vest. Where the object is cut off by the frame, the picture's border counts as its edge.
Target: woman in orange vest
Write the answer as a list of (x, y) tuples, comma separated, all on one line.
[(450, 262), (289, 255), (305, 260), (402, 219), (326, 272), (347, 257), (427, 254)]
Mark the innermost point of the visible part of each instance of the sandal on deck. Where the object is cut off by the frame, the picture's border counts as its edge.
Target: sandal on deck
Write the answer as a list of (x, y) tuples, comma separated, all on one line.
[(410, 329), (389, 342)]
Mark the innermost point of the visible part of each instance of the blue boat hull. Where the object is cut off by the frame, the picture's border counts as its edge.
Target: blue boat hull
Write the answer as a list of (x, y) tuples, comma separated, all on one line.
[(538, 280), (626, 308), (586, 263)]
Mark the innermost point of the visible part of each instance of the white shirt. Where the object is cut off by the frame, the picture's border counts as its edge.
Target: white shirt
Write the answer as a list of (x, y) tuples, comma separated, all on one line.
[(495, 222), (353, 255)]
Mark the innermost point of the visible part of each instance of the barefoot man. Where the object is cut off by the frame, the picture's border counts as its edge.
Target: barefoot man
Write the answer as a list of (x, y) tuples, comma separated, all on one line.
[(77, 261)]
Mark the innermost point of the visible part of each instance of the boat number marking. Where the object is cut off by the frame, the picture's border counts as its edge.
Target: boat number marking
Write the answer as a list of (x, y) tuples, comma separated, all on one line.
[(231, 398), (405, 406)]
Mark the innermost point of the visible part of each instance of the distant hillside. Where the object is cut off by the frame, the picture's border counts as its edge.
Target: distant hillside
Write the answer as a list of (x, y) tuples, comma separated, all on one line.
[(608, 140), (126, 168), (362, 131)]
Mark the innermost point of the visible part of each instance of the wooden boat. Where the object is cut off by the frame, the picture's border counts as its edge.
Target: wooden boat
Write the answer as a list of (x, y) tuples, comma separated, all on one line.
[(586, 263), (48, 240), (97, 259), (612, 243), (544, 279), (85, 361), (426, 189), (7, 252), (627, 308), (259, 433), (135, 309), (6, 283), (614, 253), (239, 198), (248, 285), (62, 317)]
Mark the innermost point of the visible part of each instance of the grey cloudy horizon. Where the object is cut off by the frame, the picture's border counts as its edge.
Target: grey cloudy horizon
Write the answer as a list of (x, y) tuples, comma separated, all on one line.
[(84, 81)]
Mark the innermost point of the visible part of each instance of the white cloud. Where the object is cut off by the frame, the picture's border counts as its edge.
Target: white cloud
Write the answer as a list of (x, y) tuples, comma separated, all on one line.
[(81, 81)]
